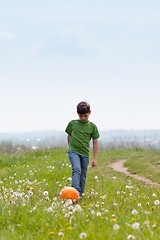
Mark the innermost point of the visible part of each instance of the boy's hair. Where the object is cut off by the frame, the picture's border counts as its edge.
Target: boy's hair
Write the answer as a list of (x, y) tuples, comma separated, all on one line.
[(83, 107)]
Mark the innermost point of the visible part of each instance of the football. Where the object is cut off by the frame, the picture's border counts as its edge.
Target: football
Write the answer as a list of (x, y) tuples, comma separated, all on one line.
[(69, 193)]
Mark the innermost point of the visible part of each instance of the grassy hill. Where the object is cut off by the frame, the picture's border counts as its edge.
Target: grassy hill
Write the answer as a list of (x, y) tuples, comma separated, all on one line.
[(114, 206)]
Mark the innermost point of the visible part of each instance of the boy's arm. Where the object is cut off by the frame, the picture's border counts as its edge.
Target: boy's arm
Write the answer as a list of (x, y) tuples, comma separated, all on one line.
[(95, 152), (68, 139)]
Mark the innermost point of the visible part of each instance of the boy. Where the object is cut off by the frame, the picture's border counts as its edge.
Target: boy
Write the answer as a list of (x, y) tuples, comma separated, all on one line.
[(80, 133)]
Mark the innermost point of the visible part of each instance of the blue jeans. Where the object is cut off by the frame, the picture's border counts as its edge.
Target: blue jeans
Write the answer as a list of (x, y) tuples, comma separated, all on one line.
[(79, 170)]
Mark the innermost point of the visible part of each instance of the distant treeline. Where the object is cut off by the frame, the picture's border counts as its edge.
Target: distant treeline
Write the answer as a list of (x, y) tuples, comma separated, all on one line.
[(112, 139)]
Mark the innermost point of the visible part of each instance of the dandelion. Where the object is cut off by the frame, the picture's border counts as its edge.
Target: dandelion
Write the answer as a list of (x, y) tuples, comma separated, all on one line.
[(134, 212), (68, 203), (69, 228), (156, 202), (147, 212), (115, 204), (49, 209), (98, 214), (130, 237), (77, 208), (154, 225), (83, 235), (45, 193), (51, 233), (135, 225), (115, 226), (30, 193), (113, 220), (61, 234)]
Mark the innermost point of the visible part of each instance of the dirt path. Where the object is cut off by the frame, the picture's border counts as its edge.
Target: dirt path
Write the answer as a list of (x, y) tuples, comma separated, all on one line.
[(118, 166)]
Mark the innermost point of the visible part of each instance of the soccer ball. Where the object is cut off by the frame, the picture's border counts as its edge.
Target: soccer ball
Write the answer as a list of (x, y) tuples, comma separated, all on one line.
[(69, 193)]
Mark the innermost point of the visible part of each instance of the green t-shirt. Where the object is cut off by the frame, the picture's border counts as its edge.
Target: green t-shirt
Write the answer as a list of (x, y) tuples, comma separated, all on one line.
[(81, 134)]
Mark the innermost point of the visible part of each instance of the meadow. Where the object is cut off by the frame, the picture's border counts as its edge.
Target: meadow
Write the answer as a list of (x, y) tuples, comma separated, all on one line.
[(114, 206)]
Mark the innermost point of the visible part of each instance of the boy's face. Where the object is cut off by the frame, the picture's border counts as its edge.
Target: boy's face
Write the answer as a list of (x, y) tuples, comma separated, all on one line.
[(84, 117)]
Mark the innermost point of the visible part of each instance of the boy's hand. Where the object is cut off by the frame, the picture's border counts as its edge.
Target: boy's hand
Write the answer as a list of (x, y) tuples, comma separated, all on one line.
[(94, 163)]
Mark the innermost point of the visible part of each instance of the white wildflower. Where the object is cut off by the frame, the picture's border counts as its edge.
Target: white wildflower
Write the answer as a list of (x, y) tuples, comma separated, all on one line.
[(83, 235), (135, 225), (45, 193), (77, 208), (99, 214), (134, 212), (68, 203), (115, 226), (130, 236), (156, 202), (154, 195), (61, 234)]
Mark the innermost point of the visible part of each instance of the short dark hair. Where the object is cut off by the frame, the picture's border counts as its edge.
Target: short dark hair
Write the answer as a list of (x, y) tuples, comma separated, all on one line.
[(83, 107)]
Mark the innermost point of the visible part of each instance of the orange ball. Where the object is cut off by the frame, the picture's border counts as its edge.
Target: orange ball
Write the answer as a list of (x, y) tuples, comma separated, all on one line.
[(69, 193)]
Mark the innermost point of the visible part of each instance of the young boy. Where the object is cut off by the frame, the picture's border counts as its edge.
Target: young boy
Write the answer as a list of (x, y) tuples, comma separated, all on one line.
[(80, 133)]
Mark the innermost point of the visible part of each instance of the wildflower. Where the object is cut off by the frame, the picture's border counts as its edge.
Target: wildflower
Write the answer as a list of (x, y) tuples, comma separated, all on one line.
[(146, 222), (115, 226), (30, 193), (83, 235), (69, 228), (156, 202), (154, 195), (115, 204), (130, 237), (49, 209), (92, 211), (61, 234), (51, 233), (139, 205), (147, 212), (77, 208), (135, 225), (98, 214), (45, 193), (154, 225), (134, 212), (96, 177), (68, 203), (113, 220)]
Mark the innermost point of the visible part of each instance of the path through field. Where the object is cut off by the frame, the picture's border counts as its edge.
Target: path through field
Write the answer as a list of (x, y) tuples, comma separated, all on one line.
[(118, 166)]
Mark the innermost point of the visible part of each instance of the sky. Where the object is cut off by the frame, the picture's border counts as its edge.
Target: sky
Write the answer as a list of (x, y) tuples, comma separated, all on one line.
[(54, 54)]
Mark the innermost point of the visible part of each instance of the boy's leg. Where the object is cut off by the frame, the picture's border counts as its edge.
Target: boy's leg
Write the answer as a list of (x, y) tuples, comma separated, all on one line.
[(76, 170), (84, 166)]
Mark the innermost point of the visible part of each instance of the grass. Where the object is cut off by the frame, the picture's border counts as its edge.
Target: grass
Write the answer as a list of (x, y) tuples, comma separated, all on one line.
[(30, 208), (145, 163)]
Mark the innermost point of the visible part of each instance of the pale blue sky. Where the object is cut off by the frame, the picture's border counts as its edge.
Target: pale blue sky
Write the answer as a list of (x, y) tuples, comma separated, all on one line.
[(54, 54)]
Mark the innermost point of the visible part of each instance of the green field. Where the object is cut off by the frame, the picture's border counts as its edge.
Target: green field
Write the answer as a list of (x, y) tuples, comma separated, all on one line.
[(114, 206)]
